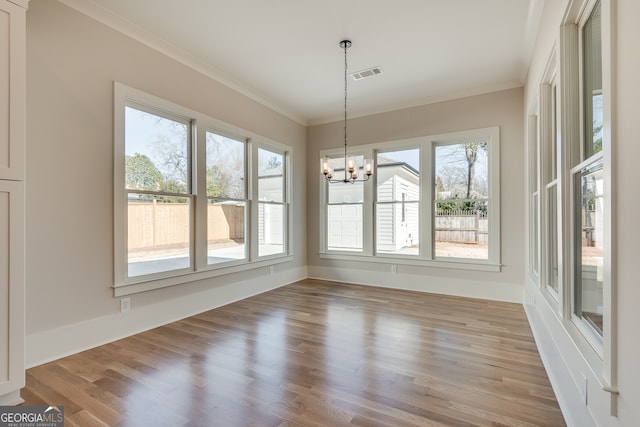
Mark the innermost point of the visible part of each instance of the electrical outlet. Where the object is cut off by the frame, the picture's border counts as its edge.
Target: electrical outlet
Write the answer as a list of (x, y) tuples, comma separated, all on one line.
[(125, 305), (271, 270), (394, 269), (584, 386)]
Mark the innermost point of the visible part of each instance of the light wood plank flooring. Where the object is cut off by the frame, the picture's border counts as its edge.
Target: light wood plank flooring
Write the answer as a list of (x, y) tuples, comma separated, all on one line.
[(313, 353)]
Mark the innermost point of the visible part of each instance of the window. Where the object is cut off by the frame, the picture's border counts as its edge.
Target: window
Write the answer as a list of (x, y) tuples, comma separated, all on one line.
[(397, 203), (186, 195), (534, 196), (271, 203), (588, 185), (226, 177), (550, 205), (446, 217), (461, 202), (345, 211), (158, 188)]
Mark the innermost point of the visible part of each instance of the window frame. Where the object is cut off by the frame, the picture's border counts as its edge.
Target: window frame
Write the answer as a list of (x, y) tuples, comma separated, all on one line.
[(550, 172), (376, 202), (580, 163), (200, 124), (189, 193), (247, 197), (600, 354), (286, 165), (533, 193), (324, 213), (426, 257)]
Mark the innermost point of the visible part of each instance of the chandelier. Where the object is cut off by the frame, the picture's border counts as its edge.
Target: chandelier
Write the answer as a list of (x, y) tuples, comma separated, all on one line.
[(350, 167)]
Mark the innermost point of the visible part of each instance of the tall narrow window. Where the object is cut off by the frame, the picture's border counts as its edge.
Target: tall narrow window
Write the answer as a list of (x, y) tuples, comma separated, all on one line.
[(271, 203), (226, 198), (344, 211), (534, 199), (462, 200), (551, 189), (588, 186), (158, 189), (397, 202)]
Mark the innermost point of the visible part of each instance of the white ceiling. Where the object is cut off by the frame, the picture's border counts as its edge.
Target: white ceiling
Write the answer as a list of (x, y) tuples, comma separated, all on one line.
[(285, 53)]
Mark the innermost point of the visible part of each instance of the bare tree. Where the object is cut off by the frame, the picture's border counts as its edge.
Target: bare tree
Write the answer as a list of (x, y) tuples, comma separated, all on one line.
[(471, 154)]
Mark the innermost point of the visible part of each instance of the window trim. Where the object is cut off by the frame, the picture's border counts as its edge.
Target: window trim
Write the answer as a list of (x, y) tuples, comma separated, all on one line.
[(200, 124), (426, 257)]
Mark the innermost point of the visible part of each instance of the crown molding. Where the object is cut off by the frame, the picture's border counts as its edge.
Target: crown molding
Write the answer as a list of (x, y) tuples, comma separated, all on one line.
[(22, 3), (152, 40)]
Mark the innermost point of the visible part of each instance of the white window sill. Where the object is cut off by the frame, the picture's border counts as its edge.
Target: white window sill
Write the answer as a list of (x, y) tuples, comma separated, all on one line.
[(151, 283)]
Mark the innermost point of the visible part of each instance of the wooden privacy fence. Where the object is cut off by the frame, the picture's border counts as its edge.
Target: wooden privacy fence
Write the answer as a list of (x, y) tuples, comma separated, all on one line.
[(462, 227), (153, 225)]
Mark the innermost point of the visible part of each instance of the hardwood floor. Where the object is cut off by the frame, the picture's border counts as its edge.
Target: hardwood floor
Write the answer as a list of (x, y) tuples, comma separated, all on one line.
[(313, 353)]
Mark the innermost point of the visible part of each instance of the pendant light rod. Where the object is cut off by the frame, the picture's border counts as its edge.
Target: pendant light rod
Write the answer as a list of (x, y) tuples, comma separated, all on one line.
[(345, 44)]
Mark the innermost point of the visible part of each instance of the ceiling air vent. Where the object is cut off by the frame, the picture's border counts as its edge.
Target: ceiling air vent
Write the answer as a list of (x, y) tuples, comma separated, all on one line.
[(369, 72)]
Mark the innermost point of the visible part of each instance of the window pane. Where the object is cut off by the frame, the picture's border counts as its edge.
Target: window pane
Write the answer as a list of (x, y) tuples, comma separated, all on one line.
[(398, 181), (270, 176), (346, 193), (461, 223), (554, 132), (535, 233), (589, 247), (592, 74), (397, 226), (552, 237), (462, 233), (158, 234), (398, 175), (225, 231), (225, 167), (344, 226), (156, 152), (462, 171), (270, 229)]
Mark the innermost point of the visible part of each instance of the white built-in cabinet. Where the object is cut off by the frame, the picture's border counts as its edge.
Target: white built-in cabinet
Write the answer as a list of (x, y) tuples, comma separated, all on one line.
[(12, 198)]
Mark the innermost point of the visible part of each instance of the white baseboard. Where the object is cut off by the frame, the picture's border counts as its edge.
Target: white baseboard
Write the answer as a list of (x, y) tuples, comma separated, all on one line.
[(575, 412), (411, 282), (11, 399), (49, 345)]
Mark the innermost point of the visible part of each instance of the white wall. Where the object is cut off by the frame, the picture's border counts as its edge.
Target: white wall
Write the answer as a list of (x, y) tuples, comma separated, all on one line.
[(504, 109), (564, 362), (72, 62)]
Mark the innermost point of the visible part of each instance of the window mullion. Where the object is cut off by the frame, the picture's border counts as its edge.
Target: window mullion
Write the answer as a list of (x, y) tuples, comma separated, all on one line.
[(199, 189), (427, 200), (368, 215)]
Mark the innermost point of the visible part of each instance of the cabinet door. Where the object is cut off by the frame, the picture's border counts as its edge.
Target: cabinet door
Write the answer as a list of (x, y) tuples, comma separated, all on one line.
[(12, 90), (12, 291)]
